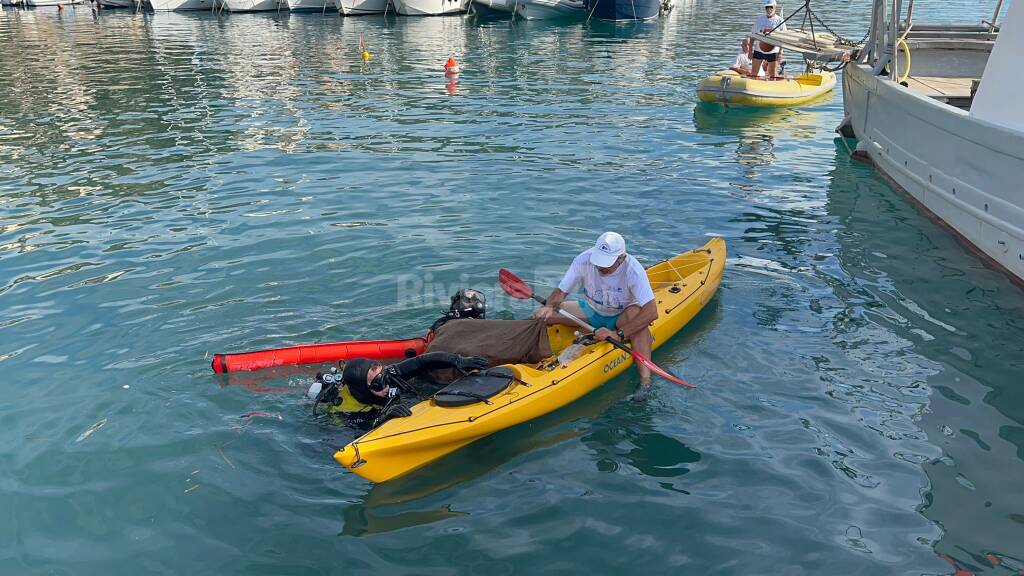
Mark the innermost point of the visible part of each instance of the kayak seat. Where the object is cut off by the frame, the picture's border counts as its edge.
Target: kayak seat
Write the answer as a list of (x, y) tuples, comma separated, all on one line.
[(476, 387)]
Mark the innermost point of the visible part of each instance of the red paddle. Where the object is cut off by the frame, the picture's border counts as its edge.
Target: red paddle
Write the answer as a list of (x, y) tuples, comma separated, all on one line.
[(516, 288)]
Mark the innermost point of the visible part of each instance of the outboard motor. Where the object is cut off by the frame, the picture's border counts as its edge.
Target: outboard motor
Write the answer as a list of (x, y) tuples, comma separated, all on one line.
[(466, 303)]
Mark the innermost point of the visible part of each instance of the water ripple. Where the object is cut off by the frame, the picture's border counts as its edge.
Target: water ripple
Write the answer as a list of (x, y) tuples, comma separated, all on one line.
[(175, 185)]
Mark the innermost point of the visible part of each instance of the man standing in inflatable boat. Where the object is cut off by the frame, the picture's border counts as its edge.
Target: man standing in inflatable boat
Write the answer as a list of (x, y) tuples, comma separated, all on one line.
[(763, 54), (617, 298)]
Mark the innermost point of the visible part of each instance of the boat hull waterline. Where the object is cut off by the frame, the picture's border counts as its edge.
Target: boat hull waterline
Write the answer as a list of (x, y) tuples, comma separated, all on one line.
[(430, 7), (180, 5), (551, 9), (362, 7), (310, 5), (253, 5), (683, 285), (624, 9), (916, 141)]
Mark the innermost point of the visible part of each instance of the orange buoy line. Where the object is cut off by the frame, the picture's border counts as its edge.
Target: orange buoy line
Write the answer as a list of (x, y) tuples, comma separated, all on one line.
[(317, 353)]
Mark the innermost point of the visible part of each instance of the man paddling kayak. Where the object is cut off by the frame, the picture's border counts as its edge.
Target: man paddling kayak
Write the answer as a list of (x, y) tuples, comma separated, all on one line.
[(617, 299), (370, 387)]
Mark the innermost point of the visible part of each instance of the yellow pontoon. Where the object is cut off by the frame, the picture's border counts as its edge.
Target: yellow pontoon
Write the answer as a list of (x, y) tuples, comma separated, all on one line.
[(728, 87)]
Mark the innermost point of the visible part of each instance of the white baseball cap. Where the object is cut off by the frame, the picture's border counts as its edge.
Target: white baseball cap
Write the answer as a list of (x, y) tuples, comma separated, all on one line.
[(607, 250), (769, 2)]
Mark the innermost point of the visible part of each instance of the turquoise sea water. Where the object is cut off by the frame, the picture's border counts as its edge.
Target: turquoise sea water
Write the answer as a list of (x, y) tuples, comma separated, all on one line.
[(175, 185)]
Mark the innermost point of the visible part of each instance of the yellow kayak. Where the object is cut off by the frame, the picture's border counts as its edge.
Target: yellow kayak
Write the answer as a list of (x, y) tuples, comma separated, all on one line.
[(682, 285), (728, 87)]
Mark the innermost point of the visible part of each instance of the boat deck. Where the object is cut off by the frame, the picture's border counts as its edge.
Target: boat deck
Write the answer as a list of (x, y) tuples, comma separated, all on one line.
[(953, 91)]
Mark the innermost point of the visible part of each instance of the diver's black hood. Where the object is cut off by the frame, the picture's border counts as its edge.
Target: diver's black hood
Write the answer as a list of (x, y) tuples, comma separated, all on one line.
[(354, 376)]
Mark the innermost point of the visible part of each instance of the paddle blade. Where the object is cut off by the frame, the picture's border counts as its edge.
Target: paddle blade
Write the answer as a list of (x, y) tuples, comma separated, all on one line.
[(657, 370), (513, 286)]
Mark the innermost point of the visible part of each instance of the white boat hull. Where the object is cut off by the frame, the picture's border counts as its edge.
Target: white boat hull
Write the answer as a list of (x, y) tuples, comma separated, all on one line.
[(117, 3), (430, 7), (171, 5), (50, 2), (360, 7), (310, 5), (495, 6), (548, 9), (253, 5), (964, 171)]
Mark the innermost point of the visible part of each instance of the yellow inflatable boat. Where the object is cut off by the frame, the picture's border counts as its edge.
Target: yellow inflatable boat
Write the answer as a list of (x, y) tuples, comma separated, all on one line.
[(438, 426), (728, 87)]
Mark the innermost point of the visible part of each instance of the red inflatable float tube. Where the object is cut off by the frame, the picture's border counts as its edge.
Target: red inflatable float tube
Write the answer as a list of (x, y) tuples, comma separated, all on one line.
[(317, 353)]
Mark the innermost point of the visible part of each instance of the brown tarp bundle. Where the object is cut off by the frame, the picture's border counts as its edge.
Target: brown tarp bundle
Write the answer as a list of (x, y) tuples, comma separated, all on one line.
[(500, 341)]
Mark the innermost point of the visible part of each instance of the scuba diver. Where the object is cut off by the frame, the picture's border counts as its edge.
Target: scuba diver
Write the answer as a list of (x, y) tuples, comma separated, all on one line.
[(369, 388)]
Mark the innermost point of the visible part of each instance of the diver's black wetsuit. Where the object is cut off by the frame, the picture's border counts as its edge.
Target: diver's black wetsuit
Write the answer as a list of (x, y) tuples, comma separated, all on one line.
[(395, 377), (417, 365)]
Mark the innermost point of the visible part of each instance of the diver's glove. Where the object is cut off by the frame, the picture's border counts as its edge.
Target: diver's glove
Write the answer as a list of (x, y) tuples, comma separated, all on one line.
[(466, 364), (398, 411), (393, 409)]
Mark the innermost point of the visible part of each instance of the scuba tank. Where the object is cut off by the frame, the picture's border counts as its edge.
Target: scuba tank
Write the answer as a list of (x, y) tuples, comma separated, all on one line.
[(329, 389)]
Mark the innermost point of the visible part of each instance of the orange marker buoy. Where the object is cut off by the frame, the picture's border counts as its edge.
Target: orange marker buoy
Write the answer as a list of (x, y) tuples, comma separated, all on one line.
[(451, 67)]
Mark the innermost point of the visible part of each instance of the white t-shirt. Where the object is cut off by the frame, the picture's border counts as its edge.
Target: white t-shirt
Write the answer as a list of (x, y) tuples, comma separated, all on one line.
[(765, 23), (608, 295), (743, 61)]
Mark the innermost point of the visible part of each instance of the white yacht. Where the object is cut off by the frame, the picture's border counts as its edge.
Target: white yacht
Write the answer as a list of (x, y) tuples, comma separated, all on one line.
[(549, 9), (50, 2), (169, 5), (496, 7), (359, 7), (253, 5), (430, 7), (935, 109), (310, 5)]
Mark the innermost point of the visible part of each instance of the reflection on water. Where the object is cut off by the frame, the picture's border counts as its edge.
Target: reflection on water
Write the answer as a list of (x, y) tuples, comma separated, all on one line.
[(975, 413), (411, 494), (181, 184), (756, 129), (647, 451)]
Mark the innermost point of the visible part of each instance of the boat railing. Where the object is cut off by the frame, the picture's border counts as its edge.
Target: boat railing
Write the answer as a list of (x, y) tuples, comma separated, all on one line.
[(890, 31)]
